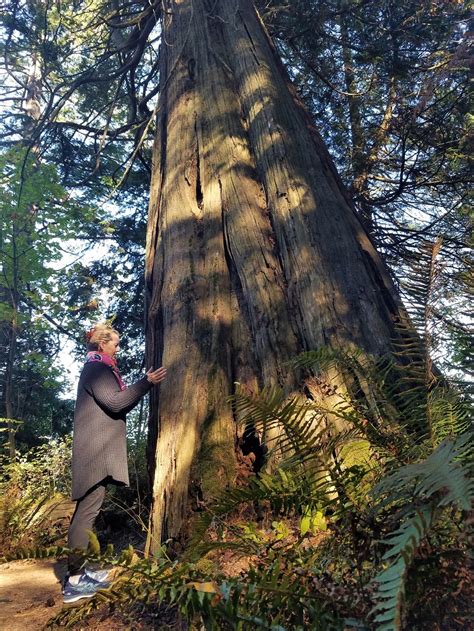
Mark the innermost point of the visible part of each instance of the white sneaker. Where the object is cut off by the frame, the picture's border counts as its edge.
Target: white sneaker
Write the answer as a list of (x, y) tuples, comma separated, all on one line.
[(100, 576), (84, 588)]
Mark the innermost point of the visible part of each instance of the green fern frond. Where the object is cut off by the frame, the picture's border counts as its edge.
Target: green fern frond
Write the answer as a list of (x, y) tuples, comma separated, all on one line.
[(286, 490), (405, 540), (303, 426), (393, 392), (382, 396), (308, 475), (271, 409), (283, 489), (441, 479), (323, 358), (391, 581), (37, 552), (451, 412), (442, 472)]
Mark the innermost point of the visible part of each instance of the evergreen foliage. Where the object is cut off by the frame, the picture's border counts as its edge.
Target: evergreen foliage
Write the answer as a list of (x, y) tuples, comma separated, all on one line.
[(37, 217), (386, 83), (34, 488)]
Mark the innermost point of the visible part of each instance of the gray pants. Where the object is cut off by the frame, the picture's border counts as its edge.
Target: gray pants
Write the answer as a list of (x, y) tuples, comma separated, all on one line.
[(87, 509)]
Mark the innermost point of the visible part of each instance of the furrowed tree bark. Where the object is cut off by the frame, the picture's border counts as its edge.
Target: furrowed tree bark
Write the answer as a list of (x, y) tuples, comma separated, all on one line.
[(253, 251)]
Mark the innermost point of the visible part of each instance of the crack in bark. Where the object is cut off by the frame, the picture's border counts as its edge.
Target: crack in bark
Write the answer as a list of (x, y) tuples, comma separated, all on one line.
[(192, 68), (227, 253), (199, 193), (252, 44)]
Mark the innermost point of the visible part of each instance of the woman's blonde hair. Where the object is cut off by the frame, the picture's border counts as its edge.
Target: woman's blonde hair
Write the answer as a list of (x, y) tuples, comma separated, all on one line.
[(99, 333)]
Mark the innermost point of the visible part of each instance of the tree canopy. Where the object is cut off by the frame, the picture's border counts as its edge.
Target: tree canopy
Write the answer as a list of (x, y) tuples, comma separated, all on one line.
[(385, 83)]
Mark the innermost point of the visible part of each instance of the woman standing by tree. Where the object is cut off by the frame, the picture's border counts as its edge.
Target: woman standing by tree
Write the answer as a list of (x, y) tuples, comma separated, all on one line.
[(99, 455)]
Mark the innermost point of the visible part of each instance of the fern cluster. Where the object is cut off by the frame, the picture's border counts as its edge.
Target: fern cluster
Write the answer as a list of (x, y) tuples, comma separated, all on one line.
[(356, 516), (33, 491)]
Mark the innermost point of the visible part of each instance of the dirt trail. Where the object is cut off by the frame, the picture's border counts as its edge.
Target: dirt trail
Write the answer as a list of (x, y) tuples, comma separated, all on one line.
[(30, 594)]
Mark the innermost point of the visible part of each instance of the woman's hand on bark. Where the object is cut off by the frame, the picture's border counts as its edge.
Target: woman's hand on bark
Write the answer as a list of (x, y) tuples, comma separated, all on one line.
[(155, 376)]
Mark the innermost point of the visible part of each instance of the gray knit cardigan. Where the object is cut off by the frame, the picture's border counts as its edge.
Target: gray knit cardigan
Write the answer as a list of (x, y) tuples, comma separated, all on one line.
[(99, 446)]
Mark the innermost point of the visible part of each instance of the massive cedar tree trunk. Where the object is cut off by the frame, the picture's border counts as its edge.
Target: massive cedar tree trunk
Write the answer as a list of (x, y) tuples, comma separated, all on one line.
[(254, 253)]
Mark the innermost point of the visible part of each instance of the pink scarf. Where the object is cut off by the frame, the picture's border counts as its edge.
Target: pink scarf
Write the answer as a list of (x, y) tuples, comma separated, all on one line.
[(95, 356)]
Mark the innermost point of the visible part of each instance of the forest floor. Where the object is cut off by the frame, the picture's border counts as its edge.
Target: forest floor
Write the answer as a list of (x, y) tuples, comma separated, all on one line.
[(30, 592), (30, 595)]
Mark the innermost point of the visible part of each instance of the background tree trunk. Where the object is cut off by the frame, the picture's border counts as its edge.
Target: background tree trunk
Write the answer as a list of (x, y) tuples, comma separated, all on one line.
[(253, 251), (10, 294)]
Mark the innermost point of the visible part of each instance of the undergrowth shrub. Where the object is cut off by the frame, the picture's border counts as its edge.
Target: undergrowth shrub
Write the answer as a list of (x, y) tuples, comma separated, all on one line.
[(34, 492)]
